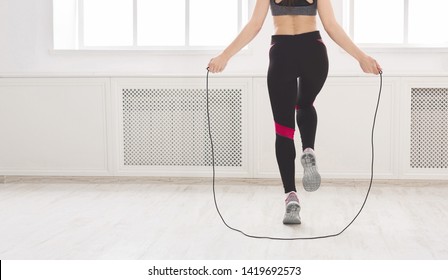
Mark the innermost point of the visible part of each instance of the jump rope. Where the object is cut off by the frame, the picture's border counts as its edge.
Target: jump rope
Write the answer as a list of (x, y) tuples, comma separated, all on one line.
[(293, 238)]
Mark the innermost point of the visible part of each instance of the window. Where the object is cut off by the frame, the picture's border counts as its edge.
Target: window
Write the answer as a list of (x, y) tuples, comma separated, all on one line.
[(147, 24), (406, 23)]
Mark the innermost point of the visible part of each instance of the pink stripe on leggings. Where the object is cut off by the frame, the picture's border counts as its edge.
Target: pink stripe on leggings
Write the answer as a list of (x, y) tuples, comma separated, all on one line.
[(284, 131)]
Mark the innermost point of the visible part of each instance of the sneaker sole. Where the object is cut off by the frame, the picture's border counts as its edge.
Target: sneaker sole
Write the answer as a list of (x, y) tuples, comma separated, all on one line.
[(311, 177), (292, 214)]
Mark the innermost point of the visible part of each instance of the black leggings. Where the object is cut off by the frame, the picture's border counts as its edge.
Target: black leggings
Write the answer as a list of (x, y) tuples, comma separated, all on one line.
[(298, 68)]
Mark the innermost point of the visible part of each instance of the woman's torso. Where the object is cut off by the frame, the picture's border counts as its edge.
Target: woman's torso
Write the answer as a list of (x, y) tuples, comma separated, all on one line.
[(294, 24)]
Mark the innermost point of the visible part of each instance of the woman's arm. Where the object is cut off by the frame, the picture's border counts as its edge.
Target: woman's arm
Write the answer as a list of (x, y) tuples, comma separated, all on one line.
[(246, 35), (338, 35)]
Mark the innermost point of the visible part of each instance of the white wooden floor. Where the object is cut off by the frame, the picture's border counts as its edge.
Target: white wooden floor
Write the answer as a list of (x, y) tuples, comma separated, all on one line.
[(176, 219)]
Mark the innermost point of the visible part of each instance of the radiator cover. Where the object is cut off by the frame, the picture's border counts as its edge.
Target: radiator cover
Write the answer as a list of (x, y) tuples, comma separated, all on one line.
[(429, 128), (168, 127)]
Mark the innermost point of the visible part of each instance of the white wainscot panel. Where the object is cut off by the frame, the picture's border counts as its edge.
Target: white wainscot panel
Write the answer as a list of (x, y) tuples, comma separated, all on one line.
[(345, 109), (53, 126), (74, 126), (424, 122), (162, 130)]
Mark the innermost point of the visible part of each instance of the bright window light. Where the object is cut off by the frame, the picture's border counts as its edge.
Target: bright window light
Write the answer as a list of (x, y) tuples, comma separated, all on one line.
[(407, 23), (108, 23), (65, 29), (161, 23), (379, 21), (428, 22), (147, 24), (213, 22)]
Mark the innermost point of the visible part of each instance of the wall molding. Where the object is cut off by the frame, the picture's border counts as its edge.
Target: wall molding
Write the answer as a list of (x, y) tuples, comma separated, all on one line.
[(392, 133)]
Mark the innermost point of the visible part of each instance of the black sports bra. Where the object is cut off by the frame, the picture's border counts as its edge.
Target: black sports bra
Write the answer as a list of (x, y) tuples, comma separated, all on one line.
[(299, 7)]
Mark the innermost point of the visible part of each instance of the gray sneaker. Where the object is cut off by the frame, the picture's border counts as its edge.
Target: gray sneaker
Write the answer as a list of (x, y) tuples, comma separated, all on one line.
[(292, 210), (311, 177)]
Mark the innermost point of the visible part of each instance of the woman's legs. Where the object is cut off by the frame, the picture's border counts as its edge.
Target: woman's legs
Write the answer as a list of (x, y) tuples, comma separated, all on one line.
[(310, 83), (293, 56), (313, 74), (282, 86), (306, 115), (284, 117)]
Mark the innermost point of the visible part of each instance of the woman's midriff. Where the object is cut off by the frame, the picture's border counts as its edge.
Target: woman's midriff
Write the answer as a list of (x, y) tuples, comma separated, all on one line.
[(292, 25)]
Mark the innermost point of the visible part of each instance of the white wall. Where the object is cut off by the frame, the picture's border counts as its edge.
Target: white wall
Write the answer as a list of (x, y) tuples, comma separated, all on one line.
[(26, 50), (26, 44)]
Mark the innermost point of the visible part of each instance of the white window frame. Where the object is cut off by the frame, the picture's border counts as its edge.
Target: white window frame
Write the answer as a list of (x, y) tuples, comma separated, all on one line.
[(349, 19), (185, 47)]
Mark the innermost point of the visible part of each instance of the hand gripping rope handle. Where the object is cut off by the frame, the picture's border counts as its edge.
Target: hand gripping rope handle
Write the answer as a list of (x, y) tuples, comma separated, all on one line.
[(294, 238)]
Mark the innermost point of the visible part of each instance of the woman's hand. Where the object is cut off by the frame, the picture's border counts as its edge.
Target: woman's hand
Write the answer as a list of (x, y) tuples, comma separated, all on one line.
[(370, 65), (217, 64)]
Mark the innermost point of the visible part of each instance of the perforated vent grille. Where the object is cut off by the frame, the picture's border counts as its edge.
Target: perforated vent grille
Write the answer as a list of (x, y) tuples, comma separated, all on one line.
[(429, 128), (168, 127)]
